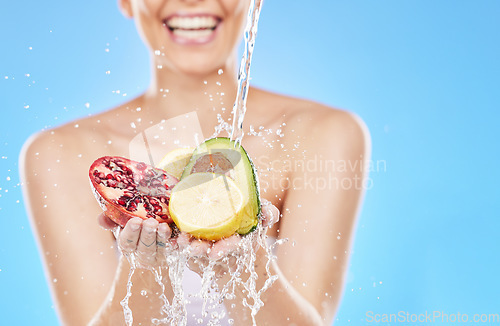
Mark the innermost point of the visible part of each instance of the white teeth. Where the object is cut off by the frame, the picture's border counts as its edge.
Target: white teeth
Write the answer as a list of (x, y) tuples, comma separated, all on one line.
[(199, 22), (192, 34)]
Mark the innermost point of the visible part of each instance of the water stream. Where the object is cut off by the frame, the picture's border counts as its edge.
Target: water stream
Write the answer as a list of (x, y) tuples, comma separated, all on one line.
[(239, 107), (242, 273)]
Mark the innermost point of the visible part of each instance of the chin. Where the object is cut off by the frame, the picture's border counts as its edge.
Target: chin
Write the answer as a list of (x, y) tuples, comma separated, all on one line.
[(196, 65)]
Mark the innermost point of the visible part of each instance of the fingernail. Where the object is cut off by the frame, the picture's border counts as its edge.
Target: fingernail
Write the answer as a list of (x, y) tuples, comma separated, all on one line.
[(134, 227), (162, 227)]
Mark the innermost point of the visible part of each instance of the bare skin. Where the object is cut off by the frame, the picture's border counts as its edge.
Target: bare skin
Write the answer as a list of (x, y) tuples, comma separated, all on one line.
[(86, 274)]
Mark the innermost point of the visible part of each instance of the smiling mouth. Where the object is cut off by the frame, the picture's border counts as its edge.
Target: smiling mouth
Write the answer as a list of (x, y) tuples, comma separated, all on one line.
[(192, 27)]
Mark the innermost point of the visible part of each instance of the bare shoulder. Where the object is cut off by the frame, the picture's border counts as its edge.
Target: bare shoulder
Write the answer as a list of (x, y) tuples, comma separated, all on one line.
[(88, 135), (311, 122)]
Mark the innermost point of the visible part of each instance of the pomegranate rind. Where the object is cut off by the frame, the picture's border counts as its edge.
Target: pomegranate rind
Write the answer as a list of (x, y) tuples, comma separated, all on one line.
[(107, 197)]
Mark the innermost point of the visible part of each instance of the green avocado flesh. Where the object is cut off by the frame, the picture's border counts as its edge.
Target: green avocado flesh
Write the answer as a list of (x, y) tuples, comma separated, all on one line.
[(219, 155)]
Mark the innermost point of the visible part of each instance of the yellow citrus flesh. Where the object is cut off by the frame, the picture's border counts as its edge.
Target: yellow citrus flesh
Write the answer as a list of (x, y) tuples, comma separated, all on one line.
[(175, 161), (207, 205)]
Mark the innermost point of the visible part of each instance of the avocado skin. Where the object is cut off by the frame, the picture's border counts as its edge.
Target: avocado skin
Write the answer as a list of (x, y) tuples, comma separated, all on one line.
[(251, 221)]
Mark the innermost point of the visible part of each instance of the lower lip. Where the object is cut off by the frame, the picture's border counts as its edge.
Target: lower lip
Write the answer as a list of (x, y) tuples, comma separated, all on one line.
[(202, 40)]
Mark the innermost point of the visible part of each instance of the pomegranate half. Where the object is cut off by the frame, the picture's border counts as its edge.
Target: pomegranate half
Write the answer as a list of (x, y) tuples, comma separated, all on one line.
[(126, 188)]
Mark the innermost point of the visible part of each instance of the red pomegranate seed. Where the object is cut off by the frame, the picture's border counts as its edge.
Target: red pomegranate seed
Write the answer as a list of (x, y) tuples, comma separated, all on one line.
[(133, 189)]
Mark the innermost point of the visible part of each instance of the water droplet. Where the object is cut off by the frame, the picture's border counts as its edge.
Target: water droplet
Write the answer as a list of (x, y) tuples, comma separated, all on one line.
[(159, 67), (138, 109), (77, 125), (26, 106), (157, 52), (132, 124), (8, 178), (144, 293), (108, 72), (109, 142), (54, 280), (87, 105), (220, 71)]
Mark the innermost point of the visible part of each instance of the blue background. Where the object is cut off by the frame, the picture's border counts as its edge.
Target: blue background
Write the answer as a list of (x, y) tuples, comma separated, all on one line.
[(423, 74)]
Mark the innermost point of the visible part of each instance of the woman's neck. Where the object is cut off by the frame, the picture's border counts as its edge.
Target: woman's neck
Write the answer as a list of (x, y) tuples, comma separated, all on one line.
[(172, 92)]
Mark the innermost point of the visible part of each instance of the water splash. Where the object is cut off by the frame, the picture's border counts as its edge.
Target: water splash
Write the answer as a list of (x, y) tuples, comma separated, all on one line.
[(242, 276), (239, 107), (242, 271)]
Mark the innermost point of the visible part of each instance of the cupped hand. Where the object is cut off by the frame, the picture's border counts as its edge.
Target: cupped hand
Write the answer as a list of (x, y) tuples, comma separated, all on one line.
[(143, 242), (147, 242), (223, 253)]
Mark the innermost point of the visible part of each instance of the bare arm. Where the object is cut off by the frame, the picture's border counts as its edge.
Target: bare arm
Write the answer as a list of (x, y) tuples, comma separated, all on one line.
[(79, 259), (86, 275), (318, 220)]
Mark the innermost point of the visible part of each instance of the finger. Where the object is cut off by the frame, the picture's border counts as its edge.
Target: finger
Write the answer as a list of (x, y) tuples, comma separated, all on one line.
[(198, 265), (224, 247), (146, 247), (270, 214), (199, 248), (127, 240), (183, 240), (105, 222), (162, 238)]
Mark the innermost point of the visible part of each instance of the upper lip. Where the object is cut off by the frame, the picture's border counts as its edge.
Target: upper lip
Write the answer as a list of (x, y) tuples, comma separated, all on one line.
[(192, 21)]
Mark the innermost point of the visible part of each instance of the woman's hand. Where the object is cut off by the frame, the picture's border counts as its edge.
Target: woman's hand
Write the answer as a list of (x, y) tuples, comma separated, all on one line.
[(147, 242), (143, 242), (222, 254)]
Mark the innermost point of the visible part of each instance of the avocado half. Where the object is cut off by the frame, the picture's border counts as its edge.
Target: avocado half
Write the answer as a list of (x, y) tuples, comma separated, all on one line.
[(225, 157)]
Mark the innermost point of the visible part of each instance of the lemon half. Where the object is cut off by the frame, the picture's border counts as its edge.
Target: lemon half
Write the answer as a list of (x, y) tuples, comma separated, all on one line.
[(175, 161), (207, 205)]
